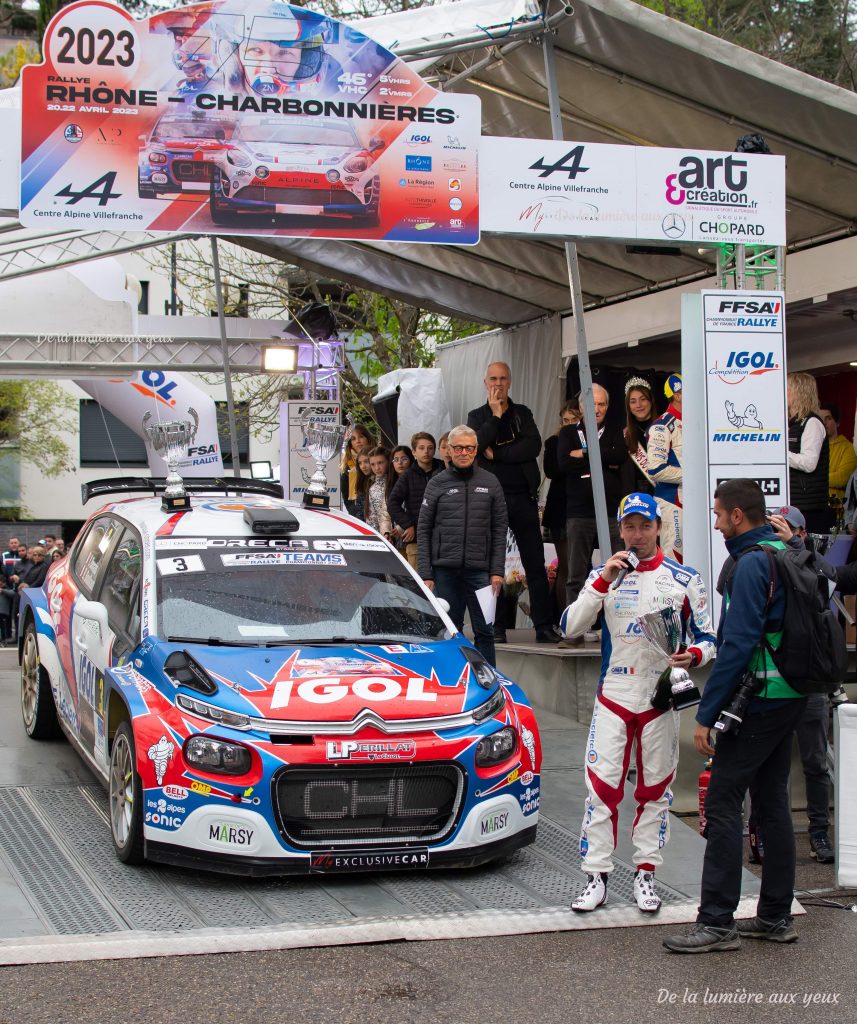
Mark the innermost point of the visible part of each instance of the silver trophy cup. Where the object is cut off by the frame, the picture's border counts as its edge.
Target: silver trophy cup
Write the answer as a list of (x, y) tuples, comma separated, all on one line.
[(324, 440), (170, 439), (664, 631)]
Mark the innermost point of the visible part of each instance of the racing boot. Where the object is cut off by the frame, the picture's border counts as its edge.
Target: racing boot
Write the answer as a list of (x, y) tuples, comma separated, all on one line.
[(594, 894), (644, 892)]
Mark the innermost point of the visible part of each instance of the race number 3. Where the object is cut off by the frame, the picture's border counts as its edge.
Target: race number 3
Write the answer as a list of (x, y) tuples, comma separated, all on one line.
[(179, 564)]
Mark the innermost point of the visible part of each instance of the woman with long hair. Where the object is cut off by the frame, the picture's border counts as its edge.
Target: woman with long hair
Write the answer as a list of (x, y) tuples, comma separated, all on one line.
[(640, 414), (375, 507), (361, 440), (364, 481), (809, 454)]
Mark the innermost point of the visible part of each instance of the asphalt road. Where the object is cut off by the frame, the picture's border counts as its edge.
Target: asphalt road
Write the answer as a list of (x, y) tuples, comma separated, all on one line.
[(611, 975)]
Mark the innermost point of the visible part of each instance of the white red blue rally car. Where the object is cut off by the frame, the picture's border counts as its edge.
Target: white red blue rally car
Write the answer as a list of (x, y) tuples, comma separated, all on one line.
[(269, 689)]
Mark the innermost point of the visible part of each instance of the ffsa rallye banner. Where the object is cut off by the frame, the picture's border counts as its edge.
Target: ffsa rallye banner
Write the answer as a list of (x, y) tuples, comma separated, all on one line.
[(241, 117)]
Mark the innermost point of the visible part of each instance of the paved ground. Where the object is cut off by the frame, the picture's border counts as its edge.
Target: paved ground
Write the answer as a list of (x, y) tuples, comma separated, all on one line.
[(615, 975)]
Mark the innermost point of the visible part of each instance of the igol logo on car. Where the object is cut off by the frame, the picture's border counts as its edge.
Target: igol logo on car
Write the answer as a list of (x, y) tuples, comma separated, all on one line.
[(230, 835)]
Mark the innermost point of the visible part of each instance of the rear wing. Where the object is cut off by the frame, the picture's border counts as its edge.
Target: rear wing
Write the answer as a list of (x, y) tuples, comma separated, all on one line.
[(193, 485)]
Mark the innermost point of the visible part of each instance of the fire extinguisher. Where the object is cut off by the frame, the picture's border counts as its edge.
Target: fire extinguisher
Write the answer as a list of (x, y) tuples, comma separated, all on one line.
[(704, 780)]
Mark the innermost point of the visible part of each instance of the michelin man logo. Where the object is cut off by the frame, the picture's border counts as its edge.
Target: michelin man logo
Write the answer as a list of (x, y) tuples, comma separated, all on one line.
[(529, 742), (160, 754), (749, 418)]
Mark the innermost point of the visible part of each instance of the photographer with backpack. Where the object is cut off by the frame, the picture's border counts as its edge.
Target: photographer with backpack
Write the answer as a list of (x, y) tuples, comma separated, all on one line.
[(750, 633)]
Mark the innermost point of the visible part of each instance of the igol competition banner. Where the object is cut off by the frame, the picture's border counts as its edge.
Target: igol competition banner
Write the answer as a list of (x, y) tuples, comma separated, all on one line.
[(241, 117)]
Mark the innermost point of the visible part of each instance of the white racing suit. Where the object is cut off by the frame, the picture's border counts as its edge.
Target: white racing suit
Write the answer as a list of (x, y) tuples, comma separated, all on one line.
[(623, 716), (663, 457)]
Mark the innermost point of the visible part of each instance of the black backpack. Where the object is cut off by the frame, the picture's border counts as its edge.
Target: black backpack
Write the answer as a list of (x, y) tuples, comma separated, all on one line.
[(812, 657)]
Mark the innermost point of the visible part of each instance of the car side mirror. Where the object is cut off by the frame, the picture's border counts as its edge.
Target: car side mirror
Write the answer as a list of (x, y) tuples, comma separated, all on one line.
[(95, 611)]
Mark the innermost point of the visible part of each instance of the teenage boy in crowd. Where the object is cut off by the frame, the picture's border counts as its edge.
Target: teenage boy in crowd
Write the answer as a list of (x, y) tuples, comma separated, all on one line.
[(407, 494)]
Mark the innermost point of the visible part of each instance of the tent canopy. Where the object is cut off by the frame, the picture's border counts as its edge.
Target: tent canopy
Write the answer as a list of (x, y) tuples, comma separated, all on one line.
[(626, 75)]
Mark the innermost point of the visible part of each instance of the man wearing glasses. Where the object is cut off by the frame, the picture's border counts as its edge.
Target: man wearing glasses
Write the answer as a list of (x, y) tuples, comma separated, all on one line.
[(509, 447), (461, 536)]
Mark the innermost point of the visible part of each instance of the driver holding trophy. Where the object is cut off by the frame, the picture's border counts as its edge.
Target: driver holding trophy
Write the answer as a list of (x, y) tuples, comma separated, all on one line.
[(631, 584)]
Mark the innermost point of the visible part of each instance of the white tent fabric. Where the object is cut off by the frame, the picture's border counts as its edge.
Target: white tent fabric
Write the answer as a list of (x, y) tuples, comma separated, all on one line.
[(422, 401), (532, 352)]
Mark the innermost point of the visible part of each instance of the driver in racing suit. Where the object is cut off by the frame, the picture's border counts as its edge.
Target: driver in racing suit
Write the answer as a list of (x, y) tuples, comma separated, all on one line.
[(623, 715), (663, 454)]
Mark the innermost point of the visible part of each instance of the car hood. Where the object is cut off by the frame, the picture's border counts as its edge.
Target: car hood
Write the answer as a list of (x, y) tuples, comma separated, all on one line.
[(303, 156), (335, 684)]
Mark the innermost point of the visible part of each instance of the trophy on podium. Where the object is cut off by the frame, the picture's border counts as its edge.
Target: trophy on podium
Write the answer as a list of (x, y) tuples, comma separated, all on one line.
[(170, 439), (664, 631), (323, 440)]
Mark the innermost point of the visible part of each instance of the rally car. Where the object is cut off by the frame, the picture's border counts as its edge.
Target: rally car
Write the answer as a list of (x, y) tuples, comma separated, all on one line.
[(269, 689), (305, 166), (178, 155)]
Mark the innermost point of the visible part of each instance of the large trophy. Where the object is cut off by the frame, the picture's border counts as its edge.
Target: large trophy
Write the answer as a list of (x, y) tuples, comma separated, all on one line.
[(664, 631), (324, 439), (170, 439)]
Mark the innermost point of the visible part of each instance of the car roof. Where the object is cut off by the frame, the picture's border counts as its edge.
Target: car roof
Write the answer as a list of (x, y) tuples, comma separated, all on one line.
[(221, 515)]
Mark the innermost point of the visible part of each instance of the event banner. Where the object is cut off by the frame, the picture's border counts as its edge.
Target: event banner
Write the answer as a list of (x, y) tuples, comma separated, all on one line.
[(632, 193), (295, 459), (745, 409), (164, 396), (241, 117)]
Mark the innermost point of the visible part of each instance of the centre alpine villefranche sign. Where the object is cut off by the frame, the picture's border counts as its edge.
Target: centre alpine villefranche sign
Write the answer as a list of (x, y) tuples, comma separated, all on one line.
[(236, 117)]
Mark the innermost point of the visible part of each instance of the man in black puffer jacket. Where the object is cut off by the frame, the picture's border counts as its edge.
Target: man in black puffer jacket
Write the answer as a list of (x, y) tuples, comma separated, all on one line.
[(461, 536)]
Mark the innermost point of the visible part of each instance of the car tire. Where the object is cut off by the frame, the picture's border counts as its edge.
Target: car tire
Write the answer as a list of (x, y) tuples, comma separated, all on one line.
[(125, 794), (37, 700), (218, 214)]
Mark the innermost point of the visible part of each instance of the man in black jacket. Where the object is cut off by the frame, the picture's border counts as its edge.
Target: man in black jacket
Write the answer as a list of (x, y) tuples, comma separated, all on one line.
[(407, 494), (573, 458), (509, 447), (461, 536)]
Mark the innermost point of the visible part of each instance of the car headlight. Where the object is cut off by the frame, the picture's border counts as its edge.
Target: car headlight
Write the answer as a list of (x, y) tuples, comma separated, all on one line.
[(496, 748), (483, 672), (213, 714), (493, 706), (218, 756), (356, 164), (157, 158), (238, 159), (333, 175)]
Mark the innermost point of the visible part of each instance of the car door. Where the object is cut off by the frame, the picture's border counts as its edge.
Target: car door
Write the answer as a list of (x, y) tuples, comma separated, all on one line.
[(69, 593), (105, 630)]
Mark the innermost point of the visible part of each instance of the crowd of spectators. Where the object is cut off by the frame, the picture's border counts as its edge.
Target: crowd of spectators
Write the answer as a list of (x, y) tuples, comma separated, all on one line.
[(22, 567), (640, 448)]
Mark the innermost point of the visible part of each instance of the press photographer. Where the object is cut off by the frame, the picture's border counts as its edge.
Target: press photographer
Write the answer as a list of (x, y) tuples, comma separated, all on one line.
[(759, 751)]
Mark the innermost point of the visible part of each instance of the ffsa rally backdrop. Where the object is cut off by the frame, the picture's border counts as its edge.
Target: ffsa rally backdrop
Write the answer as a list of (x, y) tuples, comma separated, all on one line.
[(241, 118), (588, 190)]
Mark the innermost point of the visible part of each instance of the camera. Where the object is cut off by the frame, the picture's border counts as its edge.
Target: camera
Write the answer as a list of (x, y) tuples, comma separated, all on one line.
[(838, 696), (731, 717)]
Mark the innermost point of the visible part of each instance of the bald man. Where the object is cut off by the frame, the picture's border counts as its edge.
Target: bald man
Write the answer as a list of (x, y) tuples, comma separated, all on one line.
[(509, 447)]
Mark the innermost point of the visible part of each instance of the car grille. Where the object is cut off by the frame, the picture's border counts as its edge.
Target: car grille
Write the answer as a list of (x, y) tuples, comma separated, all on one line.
[(366, 803), (299, 196), (191, 170)]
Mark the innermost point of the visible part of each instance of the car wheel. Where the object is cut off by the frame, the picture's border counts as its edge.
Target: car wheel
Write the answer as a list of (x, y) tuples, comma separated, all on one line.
[(218, 214), (126, 798), (37, 700)]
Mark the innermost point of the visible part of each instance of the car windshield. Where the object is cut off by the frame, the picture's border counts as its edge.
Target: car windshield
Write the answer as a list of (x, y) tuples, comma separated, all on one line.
[(291, 597), (299, 135), (192, 130)]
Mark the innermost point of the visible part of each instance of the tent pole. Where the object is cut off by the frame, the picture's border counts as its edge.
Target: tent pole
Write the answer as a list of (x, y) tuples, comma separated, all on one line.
[(227, 373), (586, 399)]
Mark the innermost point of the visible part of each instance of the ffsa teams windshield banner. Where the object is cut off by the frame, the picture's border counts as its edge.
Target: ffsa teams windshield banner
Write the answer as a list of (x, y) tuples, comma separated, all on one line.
[(241, 117)]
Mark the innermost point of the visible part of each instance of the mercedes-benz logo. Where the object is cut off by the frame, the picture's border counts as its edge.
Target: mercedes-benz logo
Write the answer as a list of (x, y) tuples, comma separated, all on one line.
[(673, 225)]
